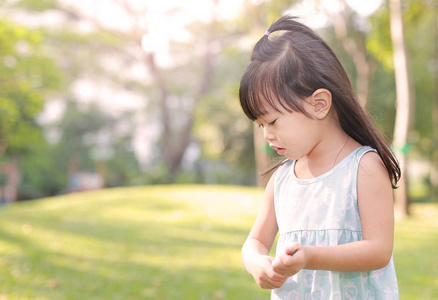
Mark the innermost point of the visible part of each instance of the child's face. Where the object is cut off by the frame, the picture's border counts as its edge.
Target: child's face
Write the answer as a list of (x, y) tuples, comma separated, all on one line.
[(292, 134)]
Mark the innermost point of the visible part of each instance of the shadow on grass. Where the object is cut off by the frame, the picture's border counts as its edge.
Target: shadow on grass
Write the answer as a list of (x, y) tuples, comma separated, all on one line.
[(143, 248), (49, 274), (415, 257), (140, 244)]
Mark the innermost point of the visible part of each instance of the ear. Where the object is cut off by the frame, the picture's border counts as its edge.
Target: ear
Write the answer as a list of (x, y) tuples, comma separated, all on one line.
[(321, 100)]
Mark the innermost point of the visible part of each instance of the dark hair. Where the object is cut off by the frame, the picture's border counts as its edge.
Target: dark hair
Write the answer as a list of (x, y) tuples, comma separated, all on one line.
[(287, 68)]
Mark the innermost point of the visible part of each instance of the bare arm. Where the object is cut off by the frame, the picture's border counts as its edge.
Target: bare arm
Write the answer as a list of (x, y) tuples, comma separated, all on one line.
[(377, 220), (255, 250)]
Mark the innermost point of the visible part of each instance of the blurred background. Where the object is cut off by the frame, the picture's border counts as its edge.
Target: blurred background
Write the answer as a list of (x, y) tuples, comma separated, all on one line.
[(141, 96), (110, 93)]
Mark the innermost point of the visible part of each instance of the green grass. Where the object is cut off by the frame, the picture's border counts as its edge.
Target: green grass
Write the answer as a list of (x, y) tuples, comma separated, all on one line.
[(416, 253), (163, 242), (159, 242)]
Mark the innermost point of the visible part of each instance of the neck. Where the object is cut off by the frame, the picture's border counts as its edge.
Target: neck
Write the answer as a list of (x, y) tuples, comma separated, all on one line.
[(340, 151), (333, 146)]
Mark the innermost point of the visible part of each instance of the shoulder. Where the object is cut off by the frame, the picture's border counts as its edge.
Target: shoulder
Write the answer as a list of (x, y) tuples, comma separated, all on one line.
[(371, 164), (283, 169), (372, 175), (285, 165)]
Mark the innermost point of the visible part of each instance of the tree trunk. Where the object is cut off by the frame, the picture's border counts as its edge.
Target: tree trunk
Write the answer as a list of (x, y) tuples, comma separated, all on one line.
[(405, 100), (434, 172), (174, 165), (164, 109), (172, 151), (11, 177), (3, 147)]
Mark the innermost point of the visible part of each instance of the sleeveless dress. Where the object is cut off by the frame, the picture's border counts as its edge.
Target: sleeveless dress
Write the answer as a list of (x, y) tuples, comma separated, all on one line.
[(323, 211)]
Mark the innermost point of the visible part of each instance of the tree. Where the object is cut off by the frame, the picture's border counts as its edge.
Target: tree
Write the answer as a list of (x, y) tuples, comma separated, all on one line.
[(75, 52), (405, 100), (26, 78), (435, 113), (173, 152), (418, 17), (197, 88), (354, 42), (86, 139), (172, 93)]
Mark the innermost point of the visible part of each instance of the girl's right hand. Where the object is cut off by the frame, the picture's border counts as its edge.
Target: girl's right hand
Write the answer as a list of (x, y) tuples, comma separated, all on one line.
[(291, 261), (264, 274)]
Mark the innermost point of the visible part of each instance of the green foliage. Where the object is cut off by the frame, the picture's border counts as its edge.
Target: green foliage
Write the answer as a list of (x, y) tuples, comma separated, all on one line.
[(27, 76), (80, 123), (421, 17), (36, 5), (381, 104), (80, 143), (123, 168), (44, 172), (222, 129), (379, 42), (164, 242), (260, 15)]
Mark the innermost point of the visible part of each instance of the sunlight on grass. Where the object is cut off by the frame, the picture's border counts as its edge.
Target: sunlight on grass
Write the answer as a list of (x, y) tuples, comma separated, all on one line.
[(415, 253), (159, 242), (163, 242)]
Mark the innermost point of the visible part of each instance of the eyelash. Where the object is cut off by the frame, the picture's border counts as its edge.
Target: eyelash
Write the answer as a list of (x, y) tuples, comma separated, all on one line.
[(272, 123)]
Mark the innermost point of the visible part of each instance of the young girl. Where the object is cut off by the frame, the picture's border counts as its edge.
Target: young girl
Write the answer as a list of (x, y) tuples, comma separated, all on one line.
[(331, 197)]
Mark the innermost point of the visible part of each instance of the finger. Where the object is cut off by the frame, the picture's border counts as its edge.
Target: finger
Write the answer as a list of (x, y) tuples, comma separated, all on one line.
[(272, 284), (291, 250), (287, 265), (269, 283), (284, 260), (277, 279), (270, 279)]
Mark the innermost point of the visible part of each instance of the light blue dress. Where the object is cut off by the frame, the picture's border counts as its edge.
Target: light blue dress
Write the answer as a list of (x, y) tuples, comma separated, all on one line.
[(323, 211)]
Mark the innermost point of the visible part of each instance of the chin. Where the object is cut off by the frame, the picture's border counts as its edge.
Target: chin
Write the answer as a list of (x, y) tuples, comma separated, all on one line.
[(291, 156)]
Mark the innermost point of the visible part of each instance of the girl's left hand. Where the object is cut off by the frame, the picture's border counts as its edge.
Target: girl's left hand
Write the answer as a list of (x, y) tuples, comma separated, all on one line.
[(287, 264)]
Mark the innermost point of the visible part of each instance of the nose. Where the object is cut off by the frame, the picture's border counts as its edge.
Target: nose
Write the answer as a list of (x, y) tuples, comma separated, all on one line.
[(268, 135)]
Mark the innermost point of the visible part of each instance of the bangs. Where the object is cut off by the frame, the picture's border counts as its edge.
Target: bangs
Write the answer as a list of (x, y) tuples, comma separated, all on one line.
[(262, 87)]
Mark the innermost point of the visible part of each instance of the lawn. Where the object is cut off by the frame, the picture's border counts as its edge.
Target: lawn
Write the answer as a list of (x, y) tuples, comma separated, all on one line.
[(163, 242)]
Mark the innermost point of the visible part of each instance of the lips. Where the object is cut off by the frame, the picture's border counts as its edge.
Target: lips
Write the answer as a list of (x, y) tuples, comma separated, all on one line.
[(280, 151)]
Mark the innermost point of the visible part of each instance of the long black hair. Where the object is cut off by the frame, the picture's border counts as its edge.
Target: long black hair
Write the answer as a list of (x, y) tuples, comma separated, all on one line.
[(287, 68)]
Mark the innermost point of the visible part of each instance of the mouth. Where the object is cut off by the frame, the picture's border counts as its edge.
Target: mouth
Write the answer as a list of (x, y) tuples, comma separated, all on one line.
[(280, 151)]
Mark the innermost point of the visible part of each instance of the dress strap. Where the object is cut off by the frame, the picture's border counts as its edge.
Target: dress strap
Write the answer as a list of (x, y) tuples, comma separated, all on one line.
[(361, 151)]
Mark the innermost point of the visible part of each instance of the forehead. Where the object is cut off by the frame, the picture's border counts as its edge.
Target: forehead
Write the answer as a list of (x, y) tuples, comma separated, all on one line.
[(269, 113), (267, 102), (262, 92)]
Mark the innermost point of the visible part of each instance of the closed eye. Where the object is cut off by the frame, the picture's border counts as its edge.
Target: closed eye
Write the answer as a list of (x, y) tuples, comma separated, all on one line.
[(273, 122)]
